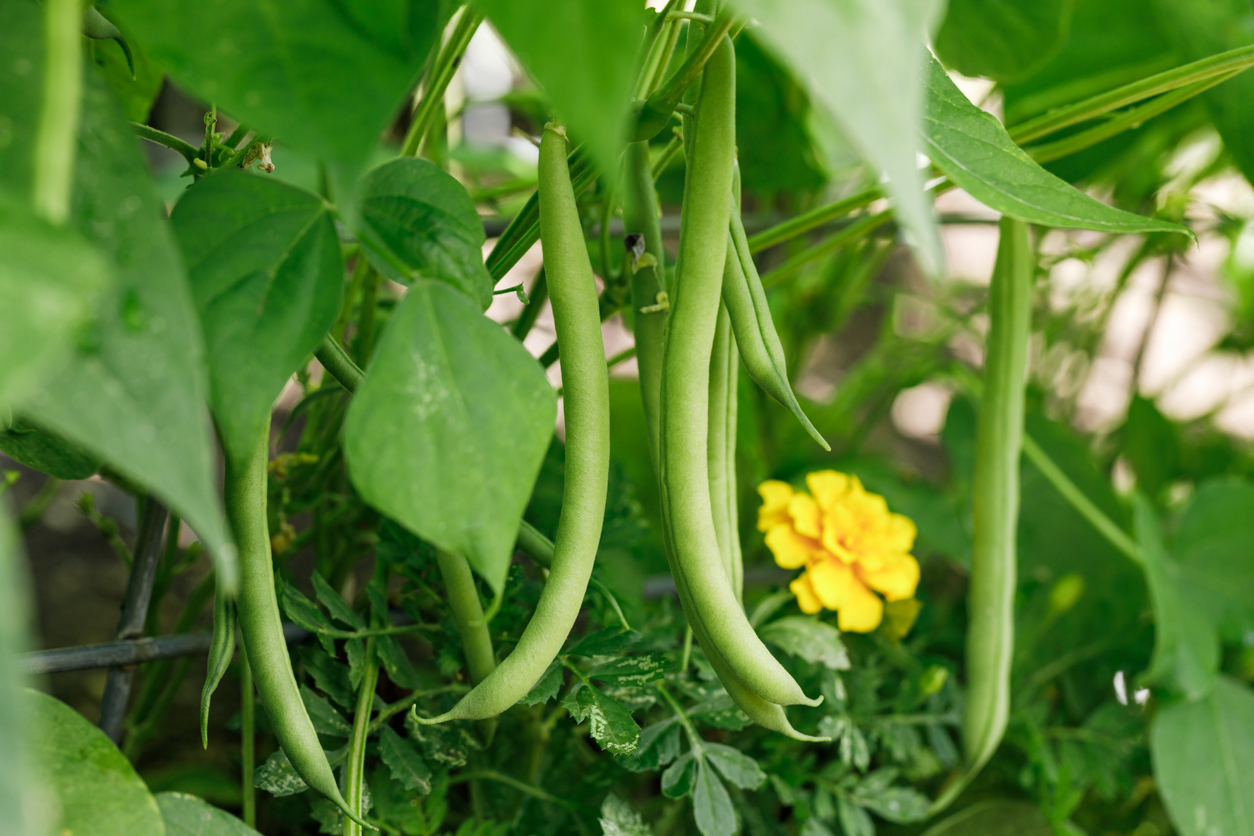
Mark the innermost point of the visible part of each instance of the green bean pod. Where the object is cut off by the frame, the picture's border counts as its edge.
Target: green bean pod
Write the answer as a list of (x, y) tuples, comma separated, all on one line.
[(685, 477), (760, 348), (221, 649), (573, 293), (721, 450), (642, 216), (262, 628), (995, 498)]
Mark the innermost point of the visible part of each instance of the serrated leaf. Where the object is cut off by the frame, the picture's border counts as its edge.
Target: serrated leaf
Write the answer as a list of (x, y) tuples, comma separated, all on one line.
[(659, 745), (630, 670), (854, 821), (975, 151), (720, 712), (680, 776), (445, 746), (304, 613), (278, 777), (326, 720), (861, 59), (711, 805), (187, 815), (735, 766), (809, 638), (600, 39), (396, 662), (604, 642), (337, 606), (454, 397), (611, 725), (414, 213), (329, 675), (355, 650), (546, 687), (267, 66), (403, 761), (898, 804), (618, 819)]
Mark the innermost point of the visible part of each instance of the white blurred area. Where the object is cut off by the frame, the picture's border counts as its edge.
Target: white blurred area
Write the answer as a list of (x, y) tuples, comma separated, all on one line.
[(1163, 335)]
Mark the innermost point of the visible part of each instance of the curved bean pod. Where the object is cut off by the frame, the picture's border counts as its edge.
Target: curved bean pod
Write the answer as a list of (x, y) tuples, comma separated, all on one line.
[(221, 649), (585, 379), (685, 482), (262, 627), (721, 450), (995, 495)]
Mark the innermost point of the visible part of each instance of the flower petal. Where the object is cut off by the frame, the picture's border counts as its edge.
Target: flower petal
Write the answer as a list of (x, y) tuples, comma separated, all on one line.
[(805, 515), (806, 599), (832, 581), (774, 510), (861, 612), (791, 550), (896, 579), (828, 487)]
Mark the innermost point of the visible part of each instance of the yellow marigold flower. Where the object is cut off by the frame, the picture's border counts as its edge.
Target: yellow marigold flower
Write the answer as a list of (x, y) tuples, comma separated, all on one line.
[(849, 543)]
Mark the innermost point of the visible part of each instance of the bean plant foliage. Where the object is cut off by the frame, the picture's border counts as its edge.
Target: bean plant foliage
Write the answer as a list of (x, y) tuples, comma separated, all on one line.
[(521, 444)]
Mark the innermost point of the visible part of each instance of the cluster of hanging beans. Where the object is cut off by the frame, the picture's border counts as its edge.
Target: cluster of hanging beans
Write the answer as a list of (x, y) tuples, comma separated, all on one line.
[(692, 331)]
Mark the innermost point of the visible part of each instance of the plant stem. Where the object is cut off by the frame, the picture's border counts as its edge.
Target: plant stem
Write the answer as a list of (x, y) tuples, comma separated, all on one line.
[(661, 103), (537, 296), (248, 740), (1223, 64), (354, 769), (403, 704), (442, 71), (186, 150), (529, 789), (668, 153), (463, 598), (57, 136), (34, 510), (847, 235), (1079, 501), (816, 217), (338, 364)]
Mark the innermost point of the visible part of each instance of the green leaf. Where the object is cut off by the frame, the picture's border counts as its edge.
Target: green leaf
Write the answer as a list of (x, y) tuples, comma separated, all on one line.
[(604, 642), (326, 720), (321, 79), (1212, 550), (187, 815), (995, 818), (618, 819), (329, 675), (395, 661), (584, 56), (1186, 646), (445, 746), (680, 776), (739, 768), (404, 762), (135, 91), (809, 638), (93, 785), (304, 613), (658, 746), (711, 805), (854, 820), (278, 777), (133, 392), (975, 151), (25, 443), (414, 214), (900, 805), (1004, 40), (335, 604), (611, 725), (1151, 445), (451, 396), (51, 280), (631, 670), (263, 259), (1200, 28), (862, 59), (546, 686), (1204, 761)]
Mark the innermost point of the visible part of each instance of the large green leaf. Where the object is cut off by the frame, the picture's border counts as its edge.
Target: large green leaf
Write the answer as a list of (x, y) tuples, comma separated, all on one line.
[(95, 787), (1002, 39), (995, 818), (1204, 761), (862, 59), (136, 91), (449, 428), (133, 391), (1186, 648), (583, 53), (413, 214), (21, 79), (187, 815), (1212, 549), (263, 259), (321, 75), (1198, 28), (975, 151), (50, 281), (25, 443), (15, 730)]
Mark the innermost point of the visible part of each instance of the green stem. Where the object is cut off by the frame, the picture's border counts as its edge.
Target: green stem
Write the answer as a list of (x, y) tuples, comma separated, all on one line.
[(536, 299), (57, 137), (363, 344), (529, 789), (186, 150), (442, 71), (1079, 501), (34, 510), (661, 103), (847, 235), (248, 739), (816, 217), (668, 153), (694, 739), (1224, 63), (463, 598), (338, 364), (403, 704), (355, 768)]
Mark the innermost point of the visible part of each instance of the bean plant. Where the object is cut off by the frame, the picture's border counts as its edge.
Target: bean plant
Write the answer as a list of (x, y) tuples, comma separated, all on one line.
[(452, 574)]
